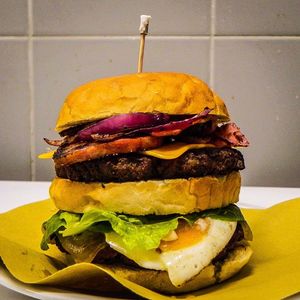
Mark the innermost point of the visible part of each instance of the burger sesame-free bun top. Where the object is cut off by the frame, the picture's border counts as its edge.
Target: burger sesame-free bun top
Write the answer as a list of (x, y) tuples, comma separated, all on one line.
[(171, 93)]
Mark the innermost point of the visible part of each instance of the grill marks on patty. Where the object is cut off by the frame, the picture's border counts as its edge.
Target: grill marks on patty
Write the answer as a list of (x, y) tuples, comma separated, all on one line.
[(137, 167)]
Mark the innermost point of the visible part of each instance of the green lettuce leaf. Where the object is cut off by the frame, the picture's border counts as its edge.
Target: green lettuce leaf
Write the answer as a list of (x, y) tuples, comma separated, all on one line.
[(136, 231), (228, 213), (50, 227)]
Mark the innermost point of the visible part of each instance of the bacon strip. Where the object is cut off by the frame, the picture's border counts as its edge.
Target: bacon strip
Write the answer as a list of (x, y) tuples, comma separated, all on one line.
[(83, 151), (227, 135), (65, 141), (231, 133), (56, 143)]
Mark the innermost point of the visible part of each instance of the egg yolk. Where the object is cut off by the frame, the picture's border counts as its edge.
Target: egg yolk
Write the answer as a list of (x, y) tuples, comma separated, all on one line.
[(187, 235)]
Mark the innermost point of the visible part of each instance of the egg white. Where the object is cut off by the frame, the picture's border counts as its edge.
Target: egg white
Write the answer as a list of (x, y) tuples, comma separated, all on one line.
[(184, 263)]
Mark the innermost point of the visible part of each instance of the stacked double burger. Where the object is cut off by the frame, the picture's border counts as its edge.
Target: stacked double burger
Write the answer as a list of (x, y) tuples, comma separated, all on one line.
[(147, 177)]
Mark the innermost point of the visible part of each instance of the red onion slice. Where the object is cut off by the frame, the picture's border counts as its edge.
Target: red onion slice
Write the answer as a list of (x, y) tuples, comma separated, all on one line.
[(178, 126), (123, 123), (171, 128)]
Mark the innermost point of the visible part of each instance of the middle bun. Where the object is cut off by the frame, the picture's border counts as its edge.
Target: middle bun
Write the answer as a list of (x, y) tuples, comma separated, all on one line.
[(161, 197)]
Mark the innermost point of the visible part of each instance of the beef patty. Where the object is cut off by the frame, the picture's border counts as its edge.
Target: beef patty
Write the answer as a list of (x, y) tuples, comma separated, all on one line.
[(137, 167)]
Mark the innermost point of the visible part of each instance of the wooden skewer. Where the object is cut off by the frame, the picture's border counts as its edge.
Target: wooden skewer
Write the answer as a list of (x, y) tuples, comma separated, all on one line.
[(143, 32), (141, 53)]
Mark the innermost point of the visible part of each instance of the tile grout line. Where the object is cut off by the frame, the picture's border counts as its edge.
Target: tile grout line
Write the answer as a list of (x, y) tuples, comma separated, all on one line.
[(168, 37), (31, 91), (258, 37), (212, 44), (121, 37)]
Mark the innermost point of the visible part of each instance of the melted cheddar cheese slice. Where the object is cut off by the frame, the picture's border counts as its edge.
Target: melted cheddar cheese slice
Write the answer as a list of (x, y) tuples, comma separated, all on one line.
[(46, 155), (174, 150)]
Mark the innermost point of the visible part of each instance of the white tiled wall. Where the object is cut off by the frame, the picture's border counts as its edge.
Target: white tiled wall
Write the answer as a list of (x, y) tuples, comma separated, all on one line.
[(249, 51)]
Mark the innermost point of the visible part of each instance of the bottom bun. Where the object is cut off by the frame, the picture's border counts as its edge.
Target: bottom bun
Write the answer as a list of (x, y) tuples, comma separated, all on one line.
[(161, 197), (160, 282)]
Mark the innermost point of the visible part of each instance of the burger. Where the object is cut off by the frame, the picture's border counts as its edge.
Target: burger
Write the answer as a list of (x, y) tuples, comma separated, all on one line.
[(147, 174)]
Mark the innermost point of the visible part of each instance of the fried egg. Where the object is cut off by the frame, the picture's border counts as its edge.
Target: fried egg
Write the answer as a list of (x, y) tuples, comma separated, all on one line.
[(189, 251)]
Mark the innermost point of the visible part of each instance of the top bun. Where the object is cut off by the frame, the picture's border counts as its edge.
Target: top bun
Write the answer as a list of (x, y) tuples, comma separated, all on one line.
[(171, 93)]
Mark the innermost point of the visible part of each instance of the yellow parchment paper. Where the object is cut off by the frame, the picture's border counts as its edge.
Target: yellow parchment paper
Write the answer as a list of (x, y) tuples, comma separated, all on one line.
[(272, 273)]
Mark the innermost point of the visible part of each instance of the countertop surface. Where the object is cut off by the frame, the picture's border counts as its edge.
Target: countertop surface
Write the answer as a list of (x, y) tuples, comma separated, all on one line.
[(16, 193)]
